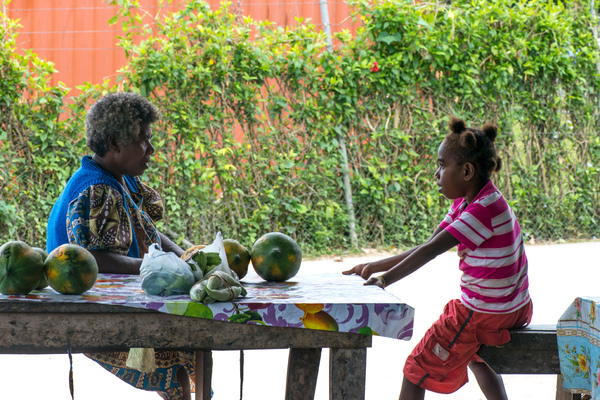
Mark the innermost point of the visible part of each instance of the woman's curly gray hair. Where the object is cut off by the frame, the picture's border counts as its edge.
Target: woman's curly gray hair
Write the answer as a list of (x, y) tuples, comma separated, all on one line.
[(120, 115)]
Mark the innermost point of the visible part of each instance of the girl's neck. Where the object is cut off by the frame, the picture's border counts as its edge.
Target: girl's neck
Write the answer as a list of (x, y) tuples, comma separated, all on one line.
[(473, 192)]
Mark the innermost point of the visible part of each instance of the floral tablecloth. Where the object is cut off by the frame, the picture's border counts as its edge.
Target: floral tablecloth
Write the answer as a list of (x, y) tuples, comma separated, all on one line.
[(578, 335), (328, 301)]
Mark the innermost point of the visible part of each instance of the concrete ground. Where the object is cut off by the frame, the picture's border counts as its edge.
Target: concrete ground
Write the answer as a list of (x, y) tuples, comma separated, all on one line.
[(558, 273)]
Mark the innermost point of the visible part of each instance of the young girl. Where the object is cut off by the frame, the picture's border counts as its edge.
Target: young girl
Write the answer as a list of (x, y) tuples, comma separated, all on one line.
[(494, 281)]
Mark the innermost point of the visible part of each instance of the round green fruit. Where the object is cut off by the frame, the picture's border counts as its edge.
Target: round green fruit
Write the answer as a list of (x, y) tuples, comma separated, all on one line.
[(71, 269), (276, 257), (238, 257), (43, 281), (21, 268)]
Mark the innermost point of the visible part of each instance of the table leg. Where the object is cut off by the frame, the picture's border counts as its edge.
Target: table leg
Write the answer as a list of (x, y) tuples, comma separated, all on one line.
[(347, 374), (204, 366), (562, 394), (303, 368)]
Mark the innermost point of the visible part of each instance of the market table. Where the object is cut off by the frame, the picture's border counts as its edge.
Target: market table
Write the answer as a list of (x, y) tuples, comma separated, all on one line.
[(578, 336), (305, 314)]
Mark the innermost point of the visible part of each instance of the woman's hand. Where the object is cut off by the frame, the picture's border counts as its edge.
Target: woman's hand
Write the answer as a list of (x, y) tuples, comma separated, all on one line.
[(364, 270)]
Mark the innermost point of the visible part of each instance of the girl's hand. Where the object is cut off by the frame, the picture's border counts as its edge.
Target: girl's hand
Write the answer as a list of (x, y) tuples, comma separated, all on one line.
[(364, 270), (377, 281)]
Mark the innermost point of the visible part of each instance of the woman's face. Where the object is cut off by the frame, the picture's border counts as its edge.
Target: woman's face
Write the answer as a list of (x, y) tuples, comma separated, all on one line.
[(133, 158), (450, 175)]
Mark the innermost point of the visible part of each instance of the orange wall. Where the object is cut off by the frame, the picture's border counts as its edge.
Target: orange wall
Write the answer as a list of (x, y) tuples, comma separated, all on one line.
[(76, 37)]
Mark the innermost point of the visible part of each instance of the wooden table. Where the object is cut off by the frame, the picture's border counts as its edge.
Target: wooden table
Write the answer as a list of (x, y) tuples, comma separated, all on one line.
[(45, 322)]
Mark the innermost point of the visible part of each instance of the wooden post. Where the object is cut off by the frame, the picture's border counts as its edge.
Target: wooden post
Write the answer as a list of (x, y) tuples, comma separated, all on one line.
[(204, 365), (561, 393), (303, 369), (347, 374)]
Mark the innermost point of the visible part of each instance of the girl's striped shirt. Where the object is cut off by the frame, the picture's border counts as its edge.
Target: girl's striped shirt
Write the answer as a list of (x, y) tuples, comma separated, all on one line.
[(492, 253)]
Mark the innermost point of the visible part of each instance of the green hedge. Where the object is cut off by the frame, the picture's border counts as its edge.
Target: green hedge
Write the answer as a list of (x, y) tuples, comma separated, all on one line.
[(255, 117)]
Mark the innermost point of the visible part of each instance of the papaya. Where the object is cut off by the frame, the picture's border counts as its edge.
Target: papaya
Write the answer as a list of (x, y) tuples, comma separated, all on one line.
[(21, 268), (71, 269), (238, 257), (276, 257), (43, 281), (320, 321)]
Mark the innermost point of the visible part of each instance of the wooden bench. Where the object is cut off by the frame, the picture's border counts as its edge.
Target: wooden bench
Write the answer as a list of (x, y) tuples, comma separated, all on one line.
[(532, 350)]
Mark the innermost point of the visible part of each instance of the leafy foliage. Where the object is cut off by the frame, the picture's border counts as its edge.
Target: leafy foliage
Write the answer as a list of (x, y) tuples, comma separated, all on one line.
[(29, 126), (255, 117)]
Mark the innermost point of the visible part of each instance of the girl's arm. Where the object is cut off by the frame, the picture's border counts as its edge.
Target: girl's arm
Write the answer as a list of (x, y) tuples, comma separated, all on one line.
[(368, 269), (438, 244)]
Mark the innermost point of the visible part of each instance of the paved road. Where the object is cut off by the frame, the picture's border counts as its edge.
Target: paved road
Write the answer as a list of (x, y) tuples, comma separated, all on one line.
[(558, 273)]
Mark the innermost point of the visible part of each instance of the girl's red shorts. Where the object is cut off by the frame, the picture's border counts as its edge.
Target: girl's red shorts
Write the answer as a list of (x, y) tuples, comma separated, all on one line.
[(439, 362)]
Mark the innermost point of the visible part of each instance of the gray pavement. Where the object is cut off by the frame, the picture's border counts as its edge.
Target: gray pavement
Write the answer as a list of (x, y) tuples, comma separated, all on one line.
[(558, 273)]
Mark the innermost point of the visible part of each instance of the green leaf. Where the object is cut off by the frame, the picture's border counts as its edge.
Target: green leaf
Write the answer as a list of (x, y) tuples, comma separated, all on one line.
[(388, 38), (198, 310), (424, 23)]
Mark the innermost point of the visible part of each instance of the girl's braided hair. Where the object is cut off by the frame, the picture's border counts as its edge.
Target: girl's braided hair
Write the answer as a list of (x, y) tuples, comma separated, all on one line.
[(475, 146), (120, 115)]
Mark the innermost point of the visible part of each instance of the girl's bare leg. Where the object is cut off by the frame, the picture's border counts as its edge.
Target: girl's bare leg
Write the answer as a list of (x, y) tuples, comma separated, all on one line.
[(491, 383), (410, 391)]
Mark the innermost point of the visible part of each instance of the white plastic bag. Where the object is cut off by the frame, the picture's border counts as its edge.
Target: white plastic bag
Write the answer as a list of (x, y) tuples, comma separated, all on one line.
[(165, 274), (216, 246)]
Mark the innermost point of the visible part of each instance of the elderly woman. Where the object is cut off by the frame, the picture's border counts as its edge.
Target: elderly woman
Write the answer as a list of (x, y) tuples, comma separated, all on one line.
[(106, 209)]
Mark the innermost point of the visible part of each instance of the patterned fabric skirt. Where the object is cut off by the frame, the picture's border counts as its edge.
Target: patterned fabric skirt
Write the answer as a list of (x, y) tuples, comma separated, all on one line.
[(163, 380)]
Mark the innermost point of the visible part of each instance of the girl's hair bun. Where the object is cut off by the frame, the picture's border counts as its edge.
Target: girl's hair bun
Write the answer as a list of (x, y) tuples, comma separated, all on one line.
[(457, 125), (469, 140), (491, 131), (474, 145)]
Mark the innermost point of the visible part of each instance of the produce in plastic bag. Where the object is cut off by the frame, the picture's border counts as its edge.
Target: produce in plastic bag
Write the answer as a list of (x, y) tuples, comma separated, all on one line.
[(218, 286), (196, 270), (201, 262), (212, 259), (165, 274)]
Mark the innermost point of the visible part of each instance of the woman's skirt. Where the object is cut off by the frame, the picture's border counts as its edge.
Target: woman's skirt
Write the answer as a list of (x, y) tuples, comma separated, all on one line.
[(163, 380)]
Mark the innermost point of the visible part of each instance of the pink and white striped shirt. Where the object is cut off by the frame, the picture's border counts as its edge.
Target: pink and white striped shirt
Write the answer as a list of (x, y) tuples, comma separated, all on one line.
[(491, 250)]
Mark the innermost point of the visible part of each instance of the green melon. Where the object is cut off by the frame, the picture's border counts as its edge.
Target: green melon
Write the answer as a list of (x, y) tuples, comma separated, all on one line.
[(43, 281), (71, 269), (21, 268), (276, 257), (238, 257)]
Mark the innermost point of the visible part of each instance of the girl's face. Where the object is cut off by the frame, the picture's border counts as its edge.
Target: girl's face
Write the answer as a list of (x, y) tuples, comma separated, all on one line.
[(134, 157), (452, 178)]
